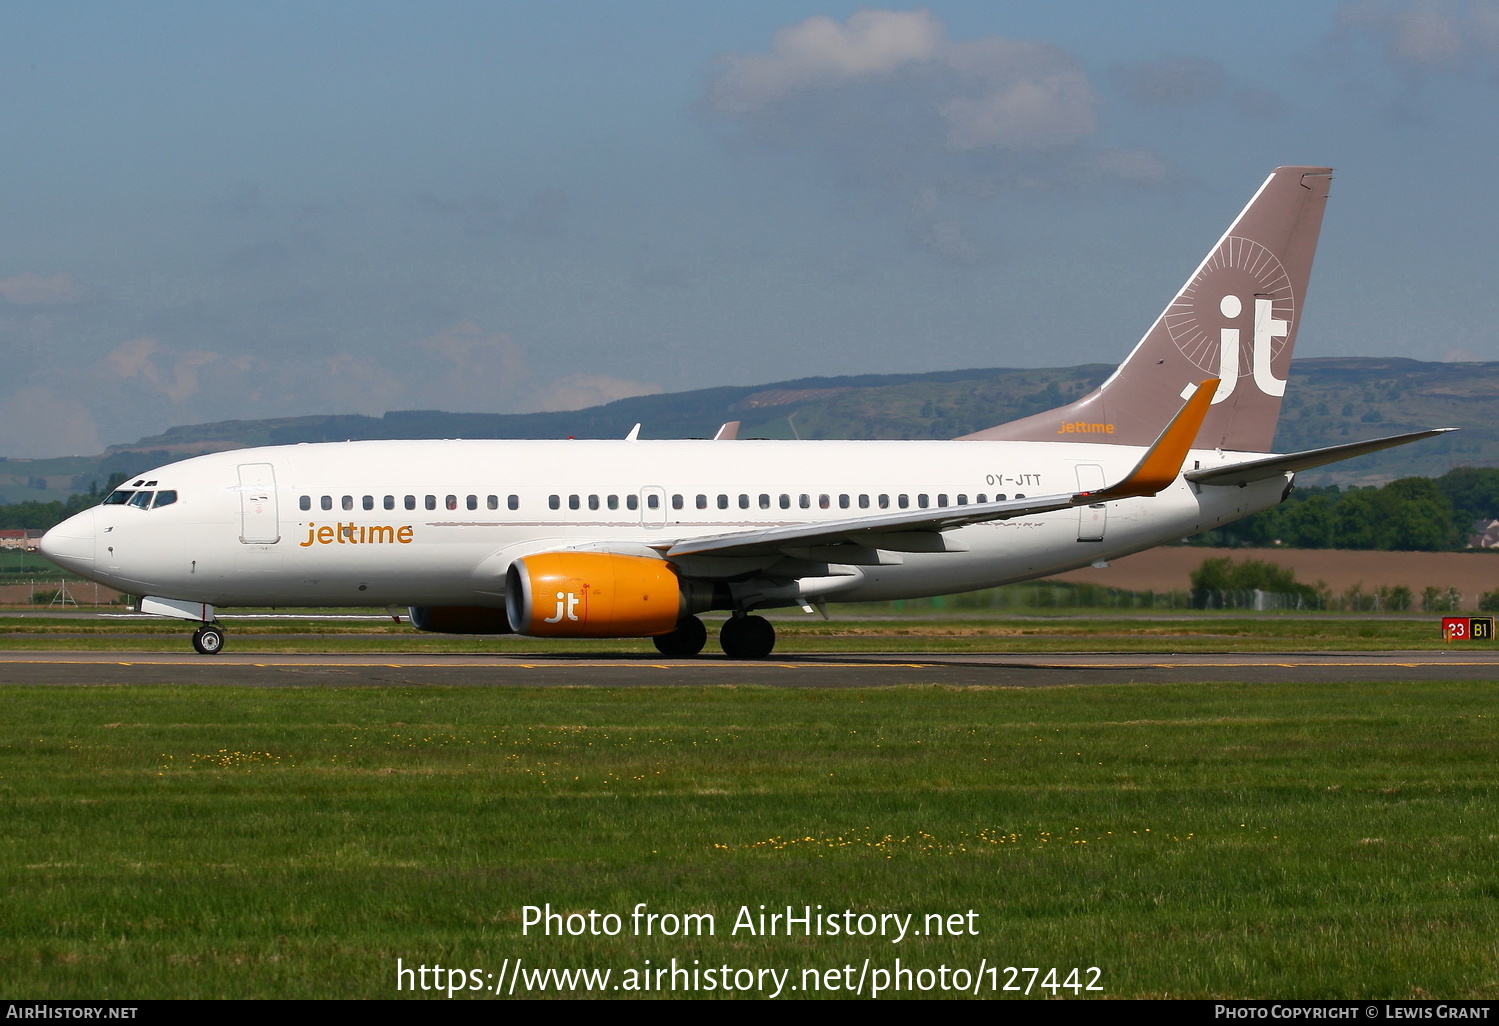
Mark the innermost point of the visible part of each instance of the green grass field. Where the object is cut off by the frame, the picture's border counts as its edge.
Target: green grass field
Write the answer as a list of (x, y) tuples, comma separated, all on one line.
[(1194, 632), (1194, 840)]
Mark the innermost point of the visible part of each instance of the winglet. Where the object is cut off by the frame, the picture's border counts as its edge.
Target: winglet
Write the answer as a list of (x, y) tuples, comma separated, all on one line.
[(1161, 463), (634, 435), (728, 432)]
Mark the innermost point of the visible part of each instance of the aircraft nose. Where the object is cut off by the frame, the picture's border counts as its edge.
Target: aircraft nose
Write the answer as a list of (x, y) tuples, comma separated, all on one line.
[(71, 543)]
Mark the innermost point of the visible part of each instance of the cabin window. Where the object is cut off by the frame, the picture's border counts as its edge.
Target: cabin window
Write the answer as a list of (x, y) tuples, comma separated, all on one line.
[(653, 501), (923, 500), (676, 502), (389, 502), (554, 502), (451, 502), (431, 502), (764, 501), (785, 501), (843, 500), (702, 502), (613, 502), (999, 497), (573, 502), (164, 499), (884, 502), (824, 502), (941, 499), (472, 502), (326, 502), (863, 502), (410, 502), (804, 501), (368, 502), (1019, 495), (723, 502), (513, 502), (962, 499), (593, 502), (904, 500), (632, 501), (141, 500), (492, 502), (347, 502), (305, 502), (743, 501), (982, 498)]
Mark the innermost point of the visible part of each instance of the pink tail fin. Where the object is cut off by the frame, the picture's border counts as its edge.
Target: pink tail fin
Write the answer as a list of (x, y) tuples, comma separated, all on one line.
[(1235, 319)]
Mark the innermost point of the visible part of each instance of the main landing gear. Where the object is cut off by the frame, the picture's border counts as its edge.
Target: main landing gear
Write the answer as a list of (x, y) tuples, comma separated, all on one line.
[(209, 639), (742, 637), (747, 637), (685, 641)]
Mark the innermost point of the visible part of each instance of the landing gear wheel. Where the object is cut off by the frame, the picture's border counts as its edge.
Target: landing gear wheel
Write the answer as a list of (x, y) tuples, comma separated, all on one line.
[(685, 641), (747, 637), (208, 639)]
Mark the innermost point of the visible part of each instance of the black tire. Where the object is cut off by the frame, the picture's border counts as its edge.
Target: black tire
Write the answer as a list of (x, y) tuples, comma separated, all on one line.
[(747, 637), (208, 639), (685, 641)]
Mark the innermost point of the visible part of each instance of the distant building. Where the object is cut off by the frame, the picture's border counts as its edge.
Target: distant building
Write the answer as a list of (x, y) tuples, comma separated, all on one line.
[(17, 538), (1485, 534)]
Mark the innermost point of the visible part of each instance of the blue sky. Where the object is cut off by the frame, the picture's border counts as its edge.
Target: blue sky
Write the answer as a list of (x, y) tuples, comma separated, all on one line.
[(220, 211)]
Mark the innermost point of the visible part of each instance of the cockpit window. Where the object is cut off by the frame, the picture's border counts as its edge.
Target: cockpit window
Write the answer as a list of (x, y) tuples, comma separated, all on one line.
[(118, 497), (141, 500), (164, 498)]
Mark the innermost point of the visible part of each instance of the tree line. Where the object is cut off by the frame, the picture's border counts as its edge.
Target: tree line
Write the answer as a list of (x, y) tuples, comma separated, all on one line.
[(1418, 514)]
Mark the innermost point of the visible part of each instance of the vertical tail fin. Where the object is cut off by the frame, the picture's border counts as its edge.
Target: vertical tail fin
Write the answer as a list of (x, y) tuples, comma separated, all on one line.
[(1235, 319)]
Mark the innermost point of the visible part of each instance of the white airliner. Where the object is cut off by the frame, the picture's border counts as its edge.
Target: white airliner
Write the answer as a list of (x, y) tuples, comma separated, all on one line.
[(634, 538)]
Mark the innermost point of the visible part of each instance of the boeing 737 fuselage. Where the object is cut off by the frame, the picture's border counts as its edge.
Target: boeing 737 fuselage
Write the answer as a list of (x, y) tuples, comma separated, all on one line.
[(634, 538)]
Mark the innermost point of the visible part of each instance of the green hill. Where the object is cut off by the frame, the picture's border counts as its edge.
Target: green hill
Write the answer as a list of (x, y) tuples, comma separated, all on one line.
[(1328, 401)]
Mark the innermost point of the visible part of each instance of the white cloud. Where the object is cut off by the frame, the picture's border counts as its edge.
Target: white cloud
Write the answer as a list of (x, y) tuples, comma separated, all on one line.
[(166, 371), (35, 288), (1426, 34), (993, 91), (887, 102), (37, 422), (821, 52)]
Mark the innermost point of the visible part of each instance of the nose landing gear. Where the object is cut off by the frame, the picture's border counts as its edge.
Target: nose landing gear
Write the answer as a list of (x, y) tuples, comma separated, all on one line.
[(209, 639)]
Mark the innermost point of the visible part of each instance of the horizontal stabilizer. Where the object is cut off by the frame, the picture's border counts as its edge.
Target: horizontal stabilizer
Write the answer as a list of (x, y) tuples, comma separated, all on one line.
[(1272, 466)]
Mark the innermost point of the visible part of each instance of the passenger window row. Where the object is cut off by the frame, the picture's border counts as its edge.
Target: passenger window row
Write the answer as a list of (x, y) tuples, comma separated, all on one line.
[(512, 502), (766, 501), (763, 500)]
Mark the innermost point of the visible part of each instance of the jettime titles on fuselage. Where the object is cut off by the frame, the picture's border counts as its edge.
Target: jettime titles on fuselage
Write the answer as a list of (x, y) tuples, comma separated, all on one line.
[(358, 534)]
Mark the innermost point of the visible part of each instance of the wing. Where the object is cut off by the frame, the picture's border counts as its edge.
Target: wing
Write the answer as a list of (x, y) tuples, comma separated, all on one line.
[(920, 530)]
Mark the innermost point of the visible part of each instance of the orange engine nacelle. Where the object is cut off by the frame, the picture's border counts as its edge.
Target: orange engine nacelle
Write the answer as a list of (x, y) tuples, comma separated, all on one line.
[(592, 595)]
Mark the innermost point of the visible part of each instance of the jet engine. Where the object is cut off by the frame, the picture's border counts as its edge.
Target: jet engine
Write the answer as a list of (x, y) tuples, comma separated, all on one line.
[(599, 595)]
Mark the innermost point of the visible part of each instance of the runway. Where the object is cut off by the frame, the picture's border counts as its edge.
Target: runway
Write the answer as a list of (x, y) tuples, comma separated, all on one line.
[(790, 670)]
